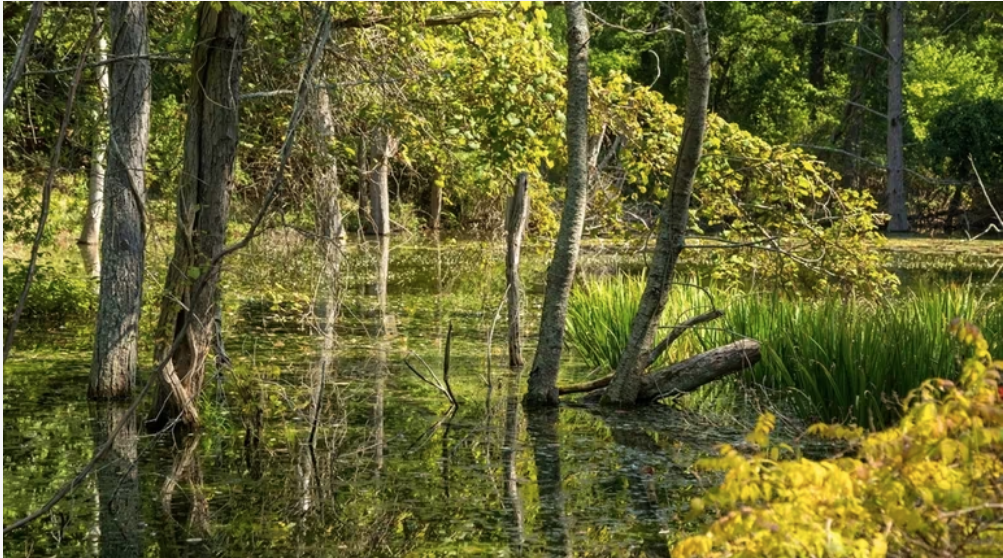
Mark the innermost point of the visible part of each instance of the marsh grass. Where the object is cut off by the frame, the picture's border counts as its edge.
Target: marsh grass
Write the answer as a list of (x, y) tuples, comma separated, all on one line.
[(832, 359)]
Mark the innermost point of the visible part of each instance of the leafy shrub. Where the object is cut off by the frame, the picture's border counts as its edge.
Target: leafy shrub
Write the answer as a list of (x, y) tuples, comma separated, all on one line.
[(57, 295), (930, 486)]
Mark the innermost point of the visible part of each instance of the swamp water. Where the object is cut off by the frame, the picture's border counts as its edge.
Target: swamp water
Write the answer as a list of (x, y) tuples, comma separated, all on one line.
[(393, 471)]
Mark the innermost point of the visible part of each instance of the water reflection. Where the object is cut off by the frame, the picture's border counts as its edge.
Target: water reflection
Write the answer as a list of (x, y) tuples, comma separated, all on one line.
[(509, 452), (542, 427), (186, 524), (641, 487), (117, 482)]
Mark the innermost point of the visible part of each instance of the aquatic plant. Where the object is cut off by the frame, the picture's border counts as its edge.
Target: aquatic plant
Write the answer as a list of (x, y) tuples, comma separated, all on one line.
[(929, 486), (833, 359)]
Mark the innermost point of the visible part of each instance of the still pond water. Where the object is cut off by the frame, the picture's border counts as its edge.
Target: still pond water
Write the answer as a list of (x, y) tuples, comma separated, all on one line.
[(393, 471)]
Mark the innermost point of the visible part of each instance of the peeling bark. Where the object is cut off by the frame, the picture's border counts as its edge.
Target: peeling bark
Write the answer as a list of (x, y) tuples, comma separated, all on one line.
[(203, 208), (90, 233)]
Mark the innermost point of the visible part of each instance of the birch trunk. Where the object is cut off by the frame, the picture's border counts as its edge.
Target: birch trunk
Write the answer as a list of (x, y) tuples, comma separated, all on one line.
[(382, 147), (675, 214), (113, 369), (895, 193), (543, 375), (203, 207), (91, 231)]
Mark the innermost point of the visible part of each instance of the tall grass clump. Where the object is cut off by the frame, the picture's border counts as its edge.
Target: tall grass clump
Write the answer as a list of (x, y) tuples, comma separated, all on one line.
[(853, 360), (830, 359), (600, 311)]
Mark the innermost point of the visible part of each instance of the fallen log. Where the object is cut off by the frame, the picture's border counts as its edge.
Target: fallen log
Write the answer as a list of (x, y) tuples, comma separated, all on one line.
[(682, 377)]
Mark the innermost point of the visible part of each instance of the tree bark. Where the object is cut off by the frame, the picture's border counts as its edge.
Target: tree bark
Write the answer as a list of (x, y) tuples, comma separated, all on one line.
[(895, 193), (686, 376), (91, 230), (116, 344), (203, 206), (382, 146), (23, 49), (435, 205), (853, 117), (543, 375), (327, 192), (515, 227), (626, 382)]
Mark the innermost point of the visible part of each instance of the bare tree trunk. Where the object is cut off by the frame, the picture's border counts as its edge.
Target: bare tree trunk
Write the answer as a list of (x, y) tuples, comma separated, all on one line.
[(118, 482), (816, 73), (382, 146), (896, 194), (435, 205), (116, 343), (543, 375), (90, 233), (203, 207), (327, 191), (675, 214), (515, 226), (23, 49)]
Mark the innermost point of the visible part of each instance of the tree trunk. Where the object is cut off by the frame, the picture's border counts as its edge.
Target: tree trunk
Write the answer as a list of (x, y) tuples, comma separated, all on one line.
[(327, 192), (90, 233), (853, 117), (203, 206), (543, 375), (626, 382), (113, 371), (435, 205), (515, 226), (382, 146), (896, 194), (119, 503), (23, 49)]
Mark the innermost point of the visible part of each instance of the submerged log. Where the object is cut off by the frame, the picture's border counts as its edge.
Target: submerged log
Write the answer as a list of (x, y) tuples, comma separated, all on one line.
[(682, 377)]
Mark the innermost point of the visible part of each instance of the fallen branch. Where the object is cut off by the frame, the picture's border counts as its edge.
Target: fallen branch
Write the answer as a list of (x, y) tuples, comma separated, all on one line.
[(682, 377), (441, 385), (688, 375), (678, 332)]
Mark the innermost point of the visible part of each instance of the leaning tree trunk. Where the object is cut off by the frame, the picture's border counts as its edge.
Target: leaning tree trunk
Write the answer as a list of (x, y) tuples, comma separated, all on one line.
[(23, 48), (113, 371), (895, 193), (91, 230), (543, 375), (675, 214), (203, 206)]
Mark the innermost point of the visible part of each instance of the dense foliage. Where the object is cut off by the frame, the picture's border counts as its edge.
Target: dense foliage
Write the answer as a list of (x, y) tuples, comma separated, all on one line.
[(929, 486)]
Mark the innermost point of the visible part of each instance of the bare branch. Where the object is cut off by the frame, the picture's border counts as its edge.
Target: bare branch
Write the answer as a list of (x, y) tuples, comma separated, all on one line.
[(21, 56)]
